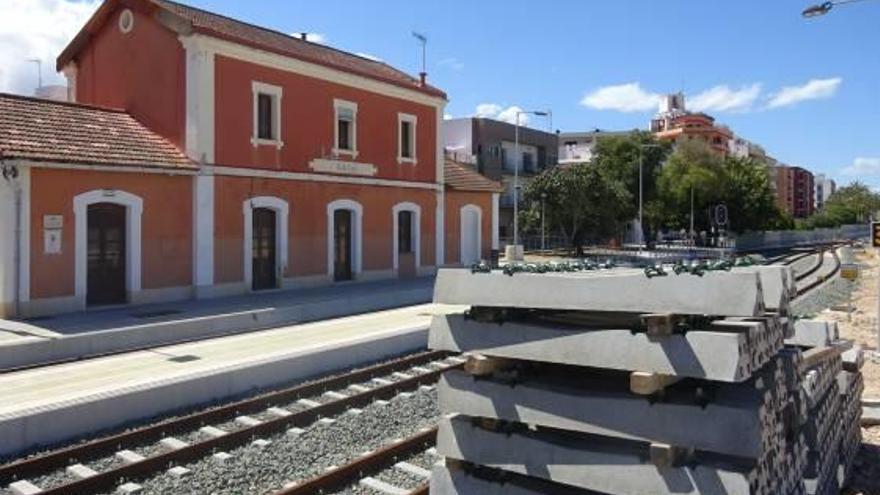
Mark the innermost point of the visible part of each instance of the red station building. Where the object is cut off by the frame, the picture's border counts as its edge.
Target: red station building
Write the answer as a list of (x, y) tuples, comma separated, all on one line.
[(202, 156)]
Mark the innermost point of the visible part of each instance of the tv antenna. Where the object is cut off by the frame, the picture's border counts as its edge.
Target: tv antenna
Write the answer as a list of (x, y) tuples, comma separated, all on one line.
[(424, 41)]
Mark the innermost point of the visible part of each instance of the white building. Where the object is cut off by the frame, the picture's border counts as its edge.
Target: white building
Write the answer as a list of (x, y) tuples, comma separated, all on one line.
[(824, 187), (578, 147)]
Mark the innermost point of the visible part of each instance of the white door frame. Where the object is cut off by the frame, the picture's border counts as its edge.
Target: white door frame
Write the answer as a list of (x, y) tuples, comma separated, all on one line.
[(357, 234), (134, 209), (416, 232), (282, 214), (470, 208)]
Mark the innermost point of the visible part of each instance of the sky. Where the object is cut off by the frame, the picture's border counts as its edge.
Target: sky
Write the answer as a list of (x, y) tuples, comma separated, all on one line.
[(807, 90)]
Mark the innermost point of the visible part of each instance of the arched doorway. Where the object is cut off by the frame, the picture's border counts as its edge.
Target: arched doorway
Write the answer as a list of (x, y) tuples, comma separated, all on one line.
[(471, 219), (264, 251), (106, 254)]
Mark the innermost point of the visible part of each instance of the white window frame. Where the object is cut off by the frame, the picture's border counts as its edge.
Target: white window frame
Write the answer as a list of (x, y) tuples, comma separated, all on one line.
[(276, 92), (357, 235), (282, 240), (353, 107), (413, 122)]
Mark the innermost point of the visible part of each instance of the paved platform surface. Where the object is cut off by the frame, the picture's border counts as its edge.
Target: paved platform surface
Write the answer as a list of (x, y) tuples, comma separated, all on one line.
[(102, 332), (44, 387), (125, 316)]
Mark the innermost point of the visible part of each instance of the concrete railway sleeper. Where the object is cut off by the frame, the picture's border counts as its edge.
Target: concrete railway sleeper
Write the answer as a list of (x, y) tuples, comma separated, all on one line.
[(364, 469), (389, 379)]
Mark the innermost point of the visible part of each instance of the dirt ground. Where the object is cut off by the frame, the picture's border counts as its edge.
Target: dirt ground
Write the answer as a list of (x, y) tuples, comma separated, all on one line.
[(862, 329)]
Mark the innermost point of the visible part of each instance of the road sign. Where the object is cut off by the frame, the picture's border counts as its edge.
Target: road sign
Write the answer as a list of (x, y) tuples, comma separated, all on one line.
[(875, 234), (849, 271)]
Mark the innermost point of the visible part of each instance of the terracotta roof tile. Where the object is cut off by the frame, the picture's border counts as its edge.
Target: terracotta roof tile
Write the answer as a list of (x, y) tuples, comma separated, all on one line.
[(234, 30), (464, 178), (45, 130)]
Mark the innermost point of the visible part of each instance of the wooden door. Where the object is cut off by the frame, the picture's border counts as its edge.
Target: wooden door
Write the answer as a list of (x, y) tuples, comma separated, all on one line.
[(264, 249), (342, 249), (105, 278), (406, 253)]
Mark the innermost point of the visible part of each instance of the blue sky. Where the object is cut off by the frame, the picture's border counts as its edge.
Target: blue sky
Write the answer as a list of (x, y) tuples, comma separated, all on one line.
[(806, 90)]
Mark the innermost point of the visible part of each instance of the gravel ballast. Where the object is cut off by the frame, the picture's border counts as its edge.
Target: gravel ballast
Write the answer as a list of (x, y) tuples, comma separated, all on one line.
[(289, 458)]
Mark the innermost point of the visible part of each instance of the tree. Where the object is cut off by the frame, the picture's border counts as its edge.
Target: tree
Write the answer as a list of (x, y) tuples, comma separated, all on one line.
[(619, 157), (855, 203), (749, 196), (692, 170), (582, 201)]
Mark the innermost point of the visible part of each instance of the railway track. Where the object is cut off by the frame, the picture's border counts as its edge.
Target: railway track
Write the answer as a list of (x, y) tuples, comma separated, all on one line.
[(216, 430), (367, 469)]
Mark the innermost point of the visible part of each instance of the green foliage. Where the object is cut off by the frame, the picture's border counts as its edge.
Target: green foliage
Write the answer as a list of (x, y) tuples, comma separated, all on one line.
[(619, 157), (749, 196), (855, 203), (582, 202), (692, 170)]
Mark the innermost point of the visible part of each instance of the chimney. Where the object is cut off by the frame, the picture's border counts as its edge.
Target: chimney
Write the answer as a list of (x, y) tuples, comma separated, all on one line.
[(304, 36), (423, 77)]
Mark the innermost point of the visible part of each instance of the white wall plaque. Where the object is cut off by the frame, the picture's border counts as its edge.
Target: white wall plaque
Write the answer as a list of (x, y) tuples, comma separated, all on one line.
[(53, 221), (342, 167), (52, 241)]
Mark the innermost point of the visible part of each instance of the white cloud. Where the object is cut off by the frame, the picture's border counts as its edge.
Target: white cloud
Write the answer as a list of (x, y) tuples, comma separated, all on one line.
[(509, 115), (812, 90), (862, 167), (369, 57), (447, 116), (724, 99), (451, 63), (622, 98), (487, 110), (498, 112), (37, 29)]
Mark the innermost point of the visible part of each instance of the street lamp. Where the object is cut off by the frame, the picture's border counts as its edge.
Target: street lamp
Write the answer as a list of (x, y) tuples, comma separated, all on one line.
[(641, 191), (543, 200), (821, 9), (516, 164)]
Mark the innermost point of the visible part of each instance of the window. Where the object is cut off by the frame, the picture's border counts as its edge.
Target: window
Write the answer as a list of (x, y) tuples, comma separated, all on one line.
[(265, 129), (404, 232), (267, 115), (345, 128), (406, 145), (528, 162)]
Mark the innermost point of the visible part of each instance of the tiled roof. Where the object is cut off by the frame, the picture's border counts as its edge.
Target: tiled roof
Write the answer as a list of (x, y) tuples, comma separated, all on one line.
[(44, 130), (236, 31), (463, 178)]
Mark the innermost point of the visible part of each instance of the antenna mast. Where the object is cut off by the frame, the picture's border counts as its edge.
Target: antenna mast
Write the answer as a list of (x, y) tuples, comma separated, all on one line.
[(424, 41)]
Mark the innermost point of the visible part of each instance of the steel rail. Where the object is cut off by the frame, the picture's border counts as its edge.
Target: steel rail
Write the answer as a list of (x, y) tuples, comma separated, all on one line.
[(60, 458), (375, 461), (812, 269), (107, 480), (820, 279)]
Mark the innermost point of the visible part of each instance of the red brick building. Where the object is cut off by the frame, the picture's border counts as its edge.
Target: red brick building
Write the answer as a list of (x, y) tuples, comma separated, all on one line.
[(795, 191), (205, 156)]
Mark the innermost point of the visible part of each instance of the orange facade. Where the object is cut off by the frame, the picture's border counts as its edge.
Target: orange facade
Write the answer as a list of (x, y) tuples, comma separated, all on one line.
[(167, 241), (454, 202), (307, 124), (307, 227), (143, 71)]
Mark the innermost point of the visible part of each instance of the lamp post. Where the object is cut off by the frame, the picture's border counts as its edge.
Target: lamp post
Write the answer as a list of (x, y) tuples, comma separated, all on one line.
[(543, 199), (516, 164), (823, 8), (641, 192)]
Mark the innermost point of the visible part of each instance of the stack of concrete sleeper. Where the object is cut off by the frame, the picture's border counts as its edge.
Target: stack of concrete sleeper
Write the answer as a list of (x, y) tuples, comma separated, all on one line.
[(616, 383)]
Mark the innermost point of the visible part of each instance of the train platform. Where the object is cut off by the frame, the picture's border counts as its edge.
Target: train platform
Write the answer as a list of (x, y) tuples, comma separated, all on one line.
[(47, 405), (103, 331)]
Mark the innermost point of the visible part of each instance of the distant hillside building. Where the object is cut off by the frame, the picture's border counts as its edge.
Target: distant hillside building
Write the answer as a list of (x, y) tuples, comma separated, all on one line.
[(674, 123), (794, 191), (824, 188)]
